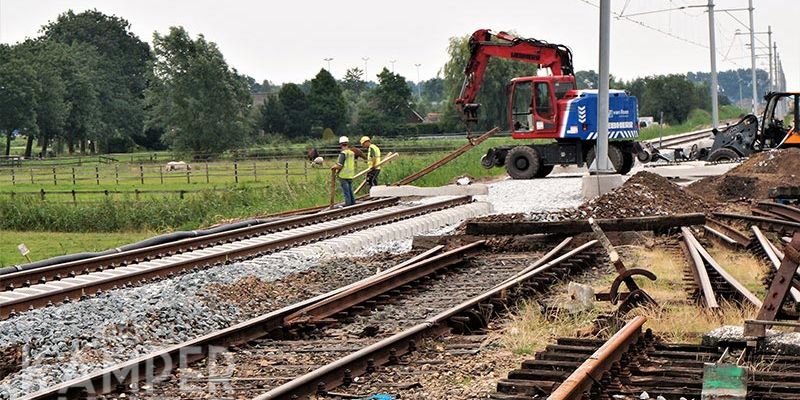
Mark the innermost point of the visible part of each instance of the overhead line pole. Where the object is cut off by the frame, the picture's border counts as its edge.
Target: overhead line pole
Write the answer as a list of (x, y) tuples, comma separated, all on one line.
[(753, 58), (770, 87), (712, 43), (602, 163)]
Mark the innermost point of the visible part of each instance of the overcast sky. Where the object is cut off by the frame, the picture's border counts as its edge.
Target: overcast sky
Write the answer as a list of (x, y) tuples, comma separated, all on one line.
[(286, 41)]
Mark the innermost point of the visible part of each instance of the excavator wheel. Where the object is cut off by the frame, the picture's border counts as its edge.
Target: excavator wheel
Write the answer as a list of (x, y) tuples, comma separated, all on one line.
[(723, 154), (627, 163), (544, 170), (522, 162), (614, 154)]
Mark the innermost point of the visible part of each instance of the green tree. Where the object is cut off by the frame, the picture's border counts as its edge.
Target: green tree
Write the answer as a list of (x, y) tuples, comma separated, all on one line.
[(492, 94), (295, 104), (326, 103), (121, 71), (354, 80), (273, 116), (201, 102), (672, 94), (18, 88), (393, 97)]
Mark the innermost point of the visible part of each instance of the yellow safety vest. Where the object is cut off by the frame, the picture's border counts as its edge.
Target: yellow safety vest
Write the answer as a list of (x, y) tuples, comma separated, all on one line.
[(374, 151), (348, 170)]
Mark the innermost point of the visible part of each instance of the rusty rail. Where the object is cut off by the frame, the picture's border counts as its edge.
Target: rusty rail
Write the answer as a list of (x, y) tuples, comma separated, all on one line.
[(775, 258), (782, 210), (592, 370), (333, 374), (771, 224), (741, 239), (450, 157)]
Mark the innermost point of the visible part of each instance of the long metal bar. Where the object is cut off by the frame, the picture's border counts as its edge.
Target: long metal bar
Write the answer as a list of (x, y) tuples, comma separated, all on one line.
[(753, 57), (592, 370), (786, 211), (771, 224), (699, 270), (582, 226), (778, 289), (741, 238), (712, 44), (601, 163), (450, 157)]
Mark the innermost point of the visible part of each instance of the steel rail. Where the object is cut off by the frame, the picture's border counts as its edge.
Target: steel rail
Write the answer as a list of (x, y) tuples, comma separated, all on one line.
[(771, 224), (27, 278), (674, 140), (9, 306), (728, 278), (332, 375), (164, 361), (741, 238), (699, 270), (386, 282), (775, 258), (785, 211), (600, 362)]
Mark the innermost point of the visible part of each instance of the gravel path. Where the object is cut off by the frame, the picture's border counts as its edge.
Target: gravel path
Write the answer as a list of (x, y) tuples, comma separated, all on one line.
[(526, 196)]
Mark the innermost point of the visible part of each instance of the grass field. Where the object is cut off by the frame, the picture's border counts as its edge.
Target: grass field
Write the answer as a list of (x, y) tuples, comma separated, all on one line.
[(50, 244), (698, 119)]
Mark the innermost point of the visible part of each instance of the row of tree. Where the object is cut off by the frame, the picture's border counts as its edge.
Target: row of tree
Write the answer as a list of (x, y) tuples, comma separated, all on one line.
[(89, 84)]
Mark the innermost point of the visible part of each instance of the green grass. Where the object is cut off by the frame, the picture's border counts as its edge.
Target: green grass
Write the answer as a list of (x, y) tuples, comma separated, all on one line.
[(697, 119), (51, 244)]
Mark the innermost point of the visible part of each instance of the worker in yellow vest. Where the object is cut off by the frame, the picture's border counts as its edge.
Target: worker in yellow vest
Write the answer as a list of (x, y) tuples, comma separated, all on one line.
[(373, 159), (346, 166)]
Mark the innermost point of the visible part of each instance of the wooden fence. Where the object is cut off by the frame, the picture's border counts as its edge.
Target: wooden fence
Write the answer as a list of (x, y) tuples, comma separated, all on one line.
[(74, 196), (140, 174)]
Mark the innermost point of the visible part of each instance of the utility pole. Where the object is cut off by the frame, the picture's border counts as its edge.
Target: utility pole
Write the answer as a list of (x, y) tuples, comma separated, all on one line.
[(392, 62), (419, 83), (366, 75), (712, 44), (770, 87), (329, 63), (753, 58), (602, 163)]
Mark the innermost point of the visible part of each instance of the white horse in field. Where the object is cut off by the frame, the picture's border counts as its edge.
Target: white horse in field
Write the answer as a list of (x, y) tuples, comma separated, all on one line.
[(178, 166)]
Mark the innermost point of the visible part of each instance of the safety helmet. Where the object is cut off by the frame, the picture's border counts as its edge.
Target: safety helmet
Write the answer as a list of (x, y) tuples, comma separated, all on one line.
[(343, 139), (364, 139)]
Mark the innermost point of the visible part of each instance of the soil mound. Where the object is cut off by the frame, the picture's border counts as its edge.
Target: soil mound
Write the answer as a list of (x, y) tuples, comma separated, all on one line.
[(753, 178), (644, 194)]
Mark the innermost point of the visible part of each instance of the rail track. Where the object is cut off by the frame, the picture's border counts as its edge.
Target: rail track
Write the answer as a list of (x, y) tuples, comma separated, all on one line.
[(322, 343), (711, 283), (676, 140), (633, 362), (77, 280)]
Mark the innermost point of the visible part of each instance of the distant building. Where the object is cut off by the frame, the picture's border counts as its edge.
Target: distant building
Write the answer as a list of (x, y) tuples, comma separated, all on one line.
[(433, 117)]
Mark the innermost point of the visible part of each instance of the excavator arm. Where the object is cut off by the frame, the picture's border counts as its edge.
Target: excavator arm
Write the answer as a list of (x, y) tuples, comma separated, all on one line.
[(481, 46)]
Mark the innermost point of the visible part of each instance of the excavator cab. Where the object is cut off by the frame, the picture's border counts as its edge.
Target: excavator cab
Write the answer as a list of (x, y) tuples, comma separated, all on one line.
[(533, 103), (779, 125)]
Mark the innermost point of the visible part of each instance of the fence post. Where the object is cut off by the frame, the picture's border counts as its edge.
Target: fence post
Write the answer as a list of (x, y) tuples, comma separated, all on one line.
[(207, 181), (236, 171), (305, 170), (41, 193), (116, 173), (105, 192), (74, 199), (188, 176), (287, 172), (136, 192), (55, 180), (255, 173), (181, 192), (31, 175), (73, 176), (13, 195), (13, 177), (161, 173), (97, 174), (141, 172)]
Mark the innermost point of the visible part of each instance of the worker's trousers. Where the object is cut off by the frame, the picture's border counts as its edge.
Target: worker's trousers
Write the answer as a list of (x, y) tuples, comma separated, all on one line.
[(372, 177), (347, 191)]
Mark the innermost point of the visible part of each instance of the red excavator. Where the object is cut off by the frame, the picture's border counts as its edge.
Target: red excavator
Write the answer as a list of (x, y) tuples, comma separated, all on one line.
[(548, 107)]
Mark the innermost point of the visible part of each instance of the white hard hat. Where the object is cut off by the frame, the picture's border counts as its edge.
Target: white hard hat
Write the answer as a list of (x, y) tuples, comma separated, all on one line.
[(343, 139)]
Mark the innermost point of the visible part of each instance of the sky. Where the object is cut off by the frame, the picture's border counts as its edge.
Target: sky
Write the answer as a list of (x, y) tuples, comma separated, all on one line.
[(287, 41)]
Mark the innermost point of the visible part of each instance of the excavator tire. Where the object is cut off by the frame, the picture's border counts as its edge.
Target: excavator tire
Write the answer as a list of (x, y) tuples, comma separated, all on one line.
[(614, 154), (627, 163), (723, 154), (544, 170), (522, 162)]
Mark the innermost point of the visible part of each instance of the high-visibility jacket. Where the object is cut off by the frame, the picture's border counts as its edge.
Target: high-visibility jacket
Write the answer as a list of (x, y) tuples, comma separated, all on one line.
[(348, 170), (374, 152)]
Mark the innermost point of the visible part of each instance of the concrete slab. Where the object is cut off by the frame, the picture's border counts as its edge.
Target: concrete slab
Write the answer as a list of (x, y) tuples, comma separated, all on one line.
[(449, 190), (596, 185)]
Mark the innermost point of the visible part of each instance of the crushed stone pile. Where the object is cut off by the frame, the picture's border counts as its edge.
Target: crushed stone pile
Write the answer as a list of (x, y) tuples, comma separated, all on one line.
[(644, 194), (753, 178)]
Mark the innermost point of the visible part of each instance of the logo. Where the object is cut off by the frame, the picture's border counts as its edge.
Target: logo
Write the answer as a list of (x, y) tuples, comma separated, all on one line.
[(582, 114)]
